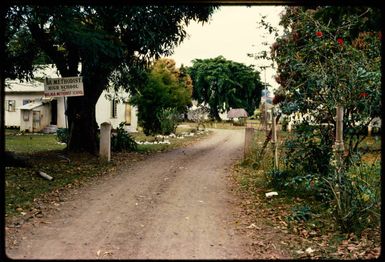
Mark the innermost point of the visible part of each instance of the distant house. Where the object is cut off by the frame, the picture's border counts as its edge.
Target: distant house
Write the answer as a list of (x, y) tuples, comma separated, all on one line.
[(27, 108), (235, 113)]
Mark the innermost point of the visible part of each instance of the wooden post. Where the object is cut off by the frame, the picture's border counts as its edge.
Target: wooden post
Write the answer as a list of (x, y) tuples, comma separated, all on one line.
[(370, 127), (105, 141), (249, 135), (339, 143), (274, 138), (289, 126)]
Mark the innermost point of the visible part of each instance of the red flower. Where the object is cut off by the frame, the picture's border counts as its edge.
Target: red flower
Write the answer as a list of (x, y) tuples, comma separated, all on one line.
[(379, 35), (363, 94), (318, 34), (340, 41)]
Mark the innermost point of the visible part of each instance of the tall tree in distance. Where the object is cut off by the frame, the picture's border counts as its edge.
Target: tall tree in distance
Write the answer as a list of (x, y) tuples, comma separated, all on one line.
[(112, 44), (222, 84)]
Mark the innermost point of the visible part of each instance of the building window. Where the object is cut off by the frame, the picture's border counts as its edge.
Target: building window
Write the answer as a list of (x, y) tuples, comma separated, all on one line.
[(26, 101), (114, 108), (11, 105)]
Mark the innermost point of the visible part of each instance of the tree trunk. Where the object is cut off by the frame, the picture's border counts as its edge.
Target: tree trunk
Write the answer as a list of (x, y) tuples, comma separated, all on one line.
[(215, 114), (82, 125), (83, 128)]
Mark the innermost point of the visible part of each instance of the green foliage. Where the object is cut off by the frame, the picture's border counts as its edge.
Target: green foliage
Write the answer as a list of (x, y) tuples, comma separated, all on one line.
[(62, 135), (163, 91), (113, 44), (169, 119), (222, 84), (329, 57), (122, 140), (32, 143), (300, 213), (356, 202), (308, 150), (325, 61)]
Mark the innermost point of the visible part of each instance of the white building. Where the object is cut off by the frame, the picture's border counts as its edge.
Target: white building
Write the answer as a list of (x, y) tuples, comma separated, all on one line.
[(27, 108)]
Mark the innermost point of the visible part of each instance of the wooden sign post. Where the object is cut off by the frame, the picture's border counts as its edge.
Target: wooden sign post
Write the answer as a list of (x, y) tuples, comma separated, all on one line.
[(105, 141)]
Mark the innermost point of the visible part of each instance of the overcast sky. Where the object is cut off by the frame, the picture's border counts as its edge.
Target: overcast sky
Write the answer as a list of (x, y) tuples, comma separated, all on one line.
[(233, 33)]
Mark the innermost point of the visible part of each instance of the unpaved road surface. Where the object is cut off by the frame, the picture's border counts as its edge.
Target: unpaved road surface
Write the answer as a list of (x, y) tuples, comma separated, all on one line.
[(173, 205)]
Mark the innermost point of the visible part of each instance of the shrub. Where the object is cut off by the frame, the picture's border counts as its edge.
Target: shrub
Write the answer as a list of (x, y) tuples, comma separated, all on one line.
[(62, 135), (356, 202), (168, 119), (122, 140)]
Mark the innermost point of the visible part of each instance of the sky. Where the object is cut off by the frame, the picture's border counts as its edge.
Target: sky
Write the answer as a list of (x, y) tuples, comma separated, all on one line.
[(233, 33)]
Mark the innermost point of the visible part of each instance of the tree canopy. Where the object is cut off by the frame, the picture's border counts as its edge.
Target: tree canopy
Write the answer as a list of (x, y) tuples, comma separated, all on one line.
[(167, 89), (222, 84), (112, 43)]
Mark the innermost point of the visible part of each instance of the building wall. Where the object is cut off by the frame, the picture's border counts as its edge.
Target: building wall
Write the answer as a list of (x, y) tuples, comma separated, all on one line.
[(26, 124), (104, 113), (12, 118), (44, 112), (45, 116)]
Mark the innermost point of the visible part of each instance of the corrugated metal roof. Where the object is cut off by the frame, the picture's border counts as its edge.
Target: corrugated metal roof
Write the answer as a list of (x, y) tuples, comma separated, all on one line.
[(237, 112), (40, 72), (30, 106), (18, 86)]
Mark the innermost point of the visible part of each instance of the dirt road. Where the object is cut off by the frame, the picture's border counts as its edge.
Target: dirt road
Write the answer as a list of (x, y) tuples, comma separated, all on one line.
[(173, 205)]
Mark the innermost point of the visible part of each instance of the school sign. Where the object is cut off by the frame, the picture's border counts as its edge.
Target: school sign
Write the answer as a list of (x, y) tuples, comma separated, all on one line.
[(64, 86)]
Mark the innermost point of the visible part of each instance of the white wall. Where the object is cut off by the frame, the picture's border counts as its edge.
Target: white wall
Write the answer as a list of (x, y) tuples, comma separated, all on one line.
[(13, 118), (102, 110), (45, 118), (103, 113)]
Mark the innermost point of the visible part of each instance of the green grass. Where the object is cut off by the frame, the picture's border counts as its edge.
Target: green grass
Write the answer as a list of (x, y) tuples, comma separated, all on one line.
[(31, 143), (24, 184)]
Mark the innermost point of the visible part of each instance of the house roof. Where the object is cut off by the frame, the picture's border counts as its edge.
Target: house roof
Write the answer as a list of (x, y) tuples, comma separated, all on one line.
[(33, 85), (30, 106), (18, 86), (237, 112)]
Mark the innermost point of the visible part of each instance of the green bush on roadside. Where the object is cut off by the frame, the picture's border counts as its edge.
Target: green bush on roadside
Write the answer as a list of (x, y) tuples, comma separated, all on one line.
[(168, 119), (122, 140), (357, 196), (62, 135)]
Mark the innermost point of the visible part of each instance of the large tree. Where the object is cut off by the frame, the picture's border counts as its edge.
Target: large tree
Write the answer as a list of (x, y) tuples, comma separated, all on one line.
[(111, 43), (222, 84)]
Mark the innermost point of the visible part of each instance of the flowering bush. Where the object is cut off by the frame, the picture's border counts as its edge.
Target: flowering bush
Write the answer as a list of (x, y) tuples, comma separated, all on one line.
[(323, 63), (329, 57)]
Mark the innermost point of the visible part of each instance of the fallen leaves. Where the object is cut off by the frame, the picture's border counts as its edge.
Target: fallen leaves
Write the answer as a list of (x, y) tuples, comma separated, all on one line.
[(316, 238)]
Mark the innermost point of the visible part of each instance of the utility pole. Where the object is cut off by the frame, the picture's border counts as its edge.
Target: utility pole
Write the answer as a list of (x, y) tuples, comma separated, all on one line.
[(265, 106)]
